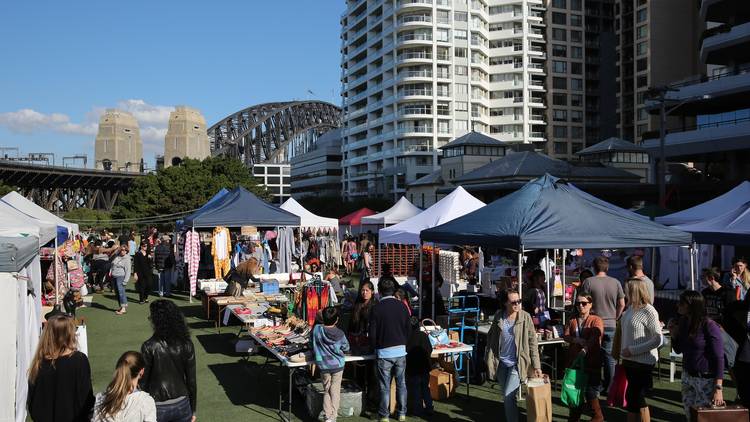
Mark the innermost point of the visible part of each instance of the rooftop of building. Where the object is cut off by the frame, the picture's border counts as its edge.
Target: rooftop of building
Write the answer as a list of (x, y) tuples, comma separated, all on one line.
[(611, 145), (434, 178), (529, 164), (475, 139)]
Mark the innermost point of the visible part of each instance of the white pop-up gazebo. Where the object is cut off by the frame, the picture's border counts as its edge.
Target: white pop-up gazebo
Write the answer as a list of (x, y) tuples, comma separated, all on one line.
[(22, 204), (400, 211), (307, 218), (722, 204)]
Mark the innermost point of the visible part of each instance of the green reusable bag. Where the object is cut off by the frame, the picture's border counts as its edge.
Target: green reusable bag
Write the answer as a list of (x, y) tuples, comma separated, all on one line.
[(574, 384)]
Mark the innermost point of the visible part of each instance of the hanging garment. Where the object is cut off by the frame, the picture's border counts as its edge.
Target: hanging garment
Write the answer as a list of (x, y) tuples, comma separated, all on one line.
[(285, 241), (220, 249), (192, 257)]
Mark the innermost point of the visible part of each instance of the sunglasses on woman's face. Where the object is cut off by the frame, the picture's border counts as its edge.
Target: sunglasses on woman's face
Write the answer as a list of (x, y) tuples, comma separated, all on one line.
[(515, 302), (582, 303)]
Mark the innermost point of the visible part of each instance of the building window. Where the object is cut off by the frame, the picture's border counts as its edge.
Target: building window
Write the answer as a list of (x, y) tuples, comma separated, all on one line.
[(576, 20), (559, 83), (559, 34), (462, 70), (576, 68), (641, 64), (459, 34), (559, 4), (561, 147), (560, 115), (460, 52), (576, 52), (576, 5), (576, 100), (642, 32), (559, 50), (576, 132), (442, 35), (462, 89), (560, 99), (576, 36), (642, 81), (641, 48), (461, 17), (576, 84), (576, 116), (559, 18), (560, 131), (641, 15), (577, 146), (462, 125), (559, 67)]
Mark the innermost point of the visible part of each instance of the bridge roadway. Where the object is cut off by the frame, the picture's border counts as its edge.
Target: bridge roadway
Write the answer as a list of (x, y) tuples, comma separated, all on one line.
[(61, 189)]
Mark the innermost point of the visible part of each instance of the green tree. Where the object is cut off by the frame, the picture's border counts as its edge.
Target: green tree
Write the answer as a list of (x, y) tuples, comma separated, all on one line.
[(5, 189), (87, 217), (185, 187)]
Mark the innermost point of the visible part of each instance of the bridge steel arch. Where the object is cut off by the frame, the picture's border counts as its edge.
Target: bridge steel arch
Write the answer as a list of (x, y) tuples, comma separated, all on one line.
[(263, 133)]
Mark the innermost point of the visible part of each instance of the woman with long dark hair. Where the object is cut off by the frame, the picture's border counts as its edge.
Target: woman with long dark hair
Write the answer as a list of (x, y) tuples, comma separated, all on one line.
[(122, 401), (169, 371), (59, 376), (360, 320), (699, 340), (143, 269)]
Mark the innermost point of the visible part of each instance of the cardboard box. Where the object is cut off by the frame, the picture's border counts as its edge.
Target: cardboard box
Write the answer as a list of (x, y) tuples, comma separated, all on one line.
[(442, 384)]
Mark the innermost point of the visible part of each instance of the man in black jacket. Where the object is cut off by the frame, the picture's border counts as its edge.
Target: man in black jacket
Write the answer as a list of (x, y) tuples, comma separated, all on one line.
[(389, 333), (164, 263)]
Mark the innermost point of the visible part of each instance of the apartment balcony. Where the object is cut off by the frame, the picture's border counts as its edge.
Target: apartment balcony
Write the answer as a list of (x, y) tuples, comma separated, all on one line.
[(723, 45), (353, 113), (537, 68), (725, 10), (537, 136), (416, 113), (414, 4), (720, 137), (415, 21), (426, 130), (414, 75), (415, 94), (710, 94), (414, 57)]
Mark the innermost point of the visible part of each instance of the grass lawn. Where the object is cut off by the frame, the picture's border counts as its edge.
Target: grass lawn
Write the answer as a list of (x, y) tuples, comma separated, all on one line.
[(231, 388)]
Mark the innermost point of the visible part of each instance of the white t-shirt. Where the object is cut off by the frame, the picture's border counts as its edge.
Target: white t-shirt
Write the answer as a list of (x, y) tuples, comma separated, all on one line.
[(139, 407)]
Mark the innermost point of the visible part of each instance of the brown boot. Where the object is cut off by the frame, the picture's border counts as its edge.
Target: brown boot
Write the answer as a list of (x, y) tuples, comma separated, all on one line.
[(596, 409)]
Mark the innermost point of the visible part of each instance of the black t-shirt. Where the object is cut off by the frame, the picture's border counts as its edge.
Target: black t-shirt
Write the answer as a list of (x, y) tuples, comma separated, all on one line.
[(418, 351), (62, 393), (716, 302)]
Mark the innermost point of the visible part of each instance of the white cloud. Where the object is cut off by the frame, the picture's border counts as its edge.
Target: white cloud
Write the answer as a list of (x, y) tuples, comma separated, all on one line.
[(152, 121)]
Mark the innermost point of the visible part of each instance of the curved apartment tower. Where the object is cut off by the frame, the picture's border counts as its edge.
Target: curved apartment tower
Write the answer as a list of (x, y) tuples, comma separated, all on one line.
[(186, 136), (418, 73), (118, 145)]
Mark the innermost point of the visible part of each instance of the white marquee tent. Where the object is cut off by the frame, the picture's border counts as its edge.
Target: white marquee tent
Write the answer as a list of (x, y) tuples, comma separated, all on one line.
[(400, 211), (27, 207), (454, 205), (722, 204), (307, 218), (14, 223), (20, 273)]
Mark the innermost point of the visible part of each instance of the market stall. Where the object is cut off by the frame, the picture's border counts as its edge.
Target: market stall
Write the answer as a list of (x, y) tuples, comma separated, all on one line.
[(238, 209), (319, 238), (729, 201), (353, 220), (66, 229), (21, 278), (400, 211), (730, 228), (549, 214)]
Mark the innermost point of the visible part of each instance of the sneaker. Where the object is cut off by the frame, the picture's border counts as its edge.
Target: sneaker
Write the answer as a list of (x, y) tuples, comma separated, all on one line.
[(383, 420), (402, 418)]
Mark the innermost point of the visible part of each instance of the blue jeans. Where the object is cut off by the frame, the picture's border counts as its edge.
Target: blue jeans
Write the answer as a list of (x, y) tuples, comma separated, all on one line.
[(608, 362), (419, 394), (174, 412), (388, 368), (119, 286), (509, 382), (165, 282)]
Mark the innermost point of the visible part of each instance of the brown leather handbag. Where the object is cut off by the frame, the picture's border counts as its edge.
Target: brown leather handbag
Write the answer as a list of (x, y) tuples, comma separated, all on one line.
[(719, 414)]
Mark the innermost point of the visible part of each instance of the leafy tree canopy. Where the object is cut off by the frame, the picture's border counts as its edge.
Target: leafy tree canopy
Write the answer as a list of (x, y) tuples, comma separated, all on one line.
[(88, 217), (5, 189), (185, 187)]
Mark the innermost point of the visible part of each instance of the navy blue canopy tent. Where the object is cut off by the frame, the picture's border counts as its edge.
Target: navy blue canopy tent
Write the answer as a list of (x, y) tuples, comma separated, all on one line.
[(239, 208), (549, 214), (731, 228), (211, 202)]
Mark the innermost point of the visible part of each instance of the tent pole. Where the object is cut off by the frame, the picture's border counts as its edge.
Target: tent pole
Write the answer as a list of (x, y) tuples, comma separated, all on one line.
[(54, 268), (433, 286), (520, 271), (562, 272), (419, 279), (692, 265), (547, 271)]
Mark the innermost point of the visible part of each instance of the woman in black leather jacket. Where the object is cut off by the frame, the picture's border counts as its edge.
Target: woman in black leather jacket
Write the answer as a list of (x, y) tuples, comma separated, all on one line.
[(169, 355)]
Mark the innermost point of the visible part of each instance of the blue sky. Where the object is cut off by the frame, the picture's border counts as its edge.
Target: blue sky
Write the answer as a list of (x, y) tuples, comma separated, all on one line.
[(64, 62)]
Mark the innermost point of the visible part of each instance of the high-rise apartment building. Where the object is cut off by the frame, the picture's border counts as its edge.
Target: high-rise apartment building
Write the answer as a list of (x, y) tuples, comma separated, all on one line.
[(658, 44), (186, 136), (581, 74), (418, 73), (118, 144)]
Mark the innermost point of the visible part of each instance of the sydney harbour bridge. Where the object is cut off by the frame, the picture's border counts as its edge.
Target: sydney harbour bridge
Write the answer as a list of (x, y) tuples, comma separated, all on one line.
[(264, 133)]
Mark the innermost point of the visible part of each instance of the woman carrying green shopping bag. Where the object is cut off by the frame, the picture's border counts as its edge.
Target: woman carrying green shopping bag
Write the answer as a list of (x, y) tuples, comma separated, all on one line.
[(584, 334)]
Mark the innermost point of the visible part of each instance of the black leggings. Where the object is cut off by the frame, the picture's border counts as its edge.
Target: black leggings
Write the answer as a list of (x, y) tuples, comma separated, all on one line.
[(143, 285), (639, 381)]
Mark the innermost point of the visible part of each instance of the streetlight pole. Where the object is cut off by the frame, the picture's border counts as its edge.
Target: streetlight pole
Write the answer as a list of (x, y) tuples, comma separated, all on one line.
[(662, 153)]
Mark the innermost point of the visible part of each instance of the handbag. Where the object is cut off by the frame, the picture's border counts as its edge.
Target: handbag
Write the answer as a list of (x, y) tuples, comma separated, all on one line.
[(436, 334), (617, 388), (574, 383)]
